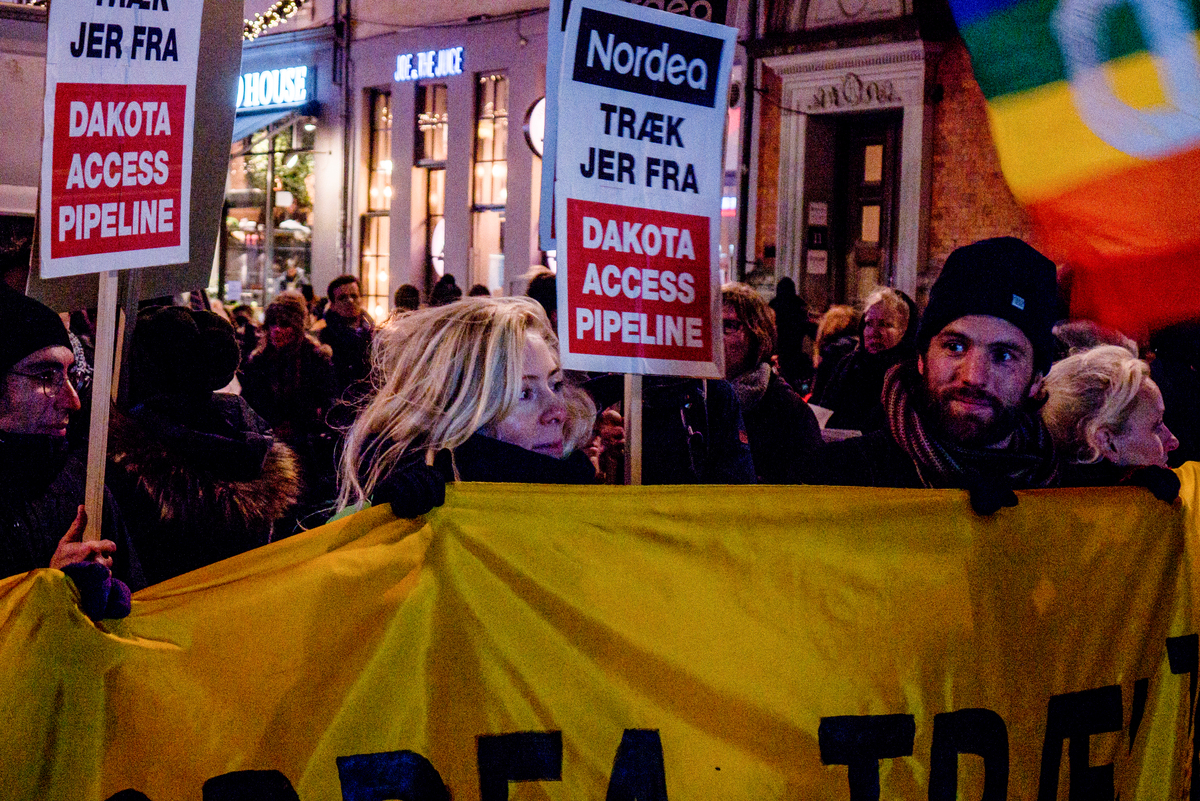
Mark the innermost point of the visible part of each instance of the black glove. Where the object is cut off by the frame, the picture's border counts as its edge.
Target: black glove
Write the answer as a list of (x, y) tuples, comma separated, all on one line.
[(412, 489), (1161, 481), (100, 595), (989, 494)]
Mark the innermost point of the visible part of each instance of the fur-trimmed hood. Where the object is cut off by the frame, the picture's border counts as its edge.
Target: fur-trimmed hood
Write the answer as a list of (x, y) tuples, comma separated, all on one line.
[(214, 458)]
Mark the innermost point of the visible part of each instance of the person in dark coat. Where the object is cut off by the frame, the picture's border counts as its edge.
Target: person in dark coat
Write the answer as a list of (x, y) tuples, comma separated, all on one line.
[(347, 332), (781, 427), (889, 329), (289, 382), (197, 472), (41, 480), (468, 392), (792, 327), (964, 413), (837, 336), (692, 429)]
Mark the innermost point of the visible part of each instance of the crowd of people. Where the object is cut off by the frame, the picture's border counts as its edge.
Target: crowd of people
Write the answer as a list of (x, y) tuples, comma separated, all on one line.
[(987, 390)]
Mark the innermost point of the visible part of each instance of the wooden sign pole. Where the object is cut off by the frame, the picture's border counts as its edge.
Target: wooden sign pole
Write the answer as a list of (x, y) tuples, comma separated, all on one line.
[(633, 430), (102, 376)]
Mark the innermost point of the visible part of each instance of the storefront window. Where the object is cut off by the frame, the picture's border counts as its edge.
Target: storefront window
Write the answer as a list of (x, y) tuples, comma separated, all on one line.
[(429, 176), (374, 266), (491, 181), (267, 252)]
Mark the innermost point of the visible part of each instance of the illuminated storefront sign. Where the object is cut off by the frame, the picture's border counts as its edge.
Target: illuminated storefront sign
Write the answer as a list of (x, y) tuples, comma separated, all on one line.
[(429, 64), (281, 88)]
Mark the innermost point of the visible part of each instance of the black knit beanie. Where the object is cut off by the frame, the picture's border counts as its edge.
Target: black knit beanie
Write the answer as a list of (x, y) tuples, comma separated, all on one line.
[(26, 326), (1002, 277), (178, 351)]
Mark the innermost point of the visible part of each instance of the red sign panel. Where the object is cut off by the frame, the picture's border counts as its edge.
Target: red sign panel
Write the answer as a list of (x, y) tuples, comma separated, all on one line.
[(118, 165), (639, 283)]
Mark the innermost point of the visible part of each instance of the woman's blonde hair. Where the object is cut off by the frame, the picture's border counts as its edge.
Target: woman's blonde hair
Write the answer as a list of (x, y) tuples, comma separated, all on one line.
[(756, 315), (440, 374), (1089, 392), (891, 301)]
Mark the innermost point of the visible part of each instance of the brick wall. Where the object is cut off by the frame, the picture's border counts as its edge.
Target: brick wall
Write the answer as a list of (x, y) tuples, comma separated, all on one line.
[(970, 199)]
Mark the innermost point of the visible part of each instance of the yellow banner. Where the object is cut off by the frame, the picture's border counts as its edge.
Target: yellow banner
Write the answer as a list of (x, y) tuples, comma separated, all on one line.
[(648, 643)]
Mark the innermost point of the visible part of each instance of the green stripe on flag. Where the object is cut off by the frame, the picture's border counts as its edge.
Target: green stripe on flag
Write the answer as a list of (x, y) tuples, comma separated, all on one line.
[(1017, 49)]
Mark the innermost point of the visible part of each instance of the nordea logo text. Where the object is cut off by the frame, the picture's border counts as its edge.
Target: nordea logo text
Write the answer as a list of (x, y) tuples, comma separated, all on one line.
[(647, 59)]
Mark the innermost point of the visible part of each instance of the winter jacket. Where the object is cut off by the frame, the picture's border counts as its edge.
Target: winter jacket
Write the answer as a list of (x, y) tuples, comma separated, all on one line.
[(782, 429), (855, 388), (483, 458), (199, 480), (291, 390), (41, 488), (872, 460), (350, 341)]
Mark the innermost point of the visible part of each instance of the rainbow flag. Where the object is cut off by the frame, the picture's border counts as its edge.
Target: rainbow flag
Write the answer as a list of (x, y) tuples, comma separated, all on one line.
[(1095, 111)]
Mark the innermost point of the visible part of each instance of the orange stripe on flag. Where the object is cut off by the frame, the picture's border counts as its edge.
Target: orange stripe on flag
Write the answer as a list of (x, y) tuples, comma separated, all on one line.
[(1131, 242)]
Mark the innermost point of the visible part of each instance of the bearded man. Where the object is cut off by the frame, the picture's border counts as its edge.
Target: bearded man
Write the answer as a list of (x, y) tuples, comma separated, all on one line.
[(964, 414)]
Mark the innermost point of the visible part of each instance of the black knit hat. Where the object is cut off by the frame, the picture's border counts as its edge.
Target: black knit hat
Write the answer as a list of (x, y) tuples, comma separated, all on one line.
[(26, 327), (1002, 277), (178, 351)]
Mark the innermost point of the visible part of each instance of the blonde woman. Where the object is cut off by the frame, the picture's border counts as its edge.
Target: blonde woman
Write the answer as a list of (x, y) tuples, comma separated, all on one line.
[(889, 327), (470, 391), (1106, 417)]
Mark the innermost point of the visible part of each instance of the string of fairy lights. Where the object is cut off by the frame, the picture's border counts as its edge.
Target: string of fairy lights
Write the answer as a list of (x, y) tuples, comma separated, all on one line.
[(277, 14)]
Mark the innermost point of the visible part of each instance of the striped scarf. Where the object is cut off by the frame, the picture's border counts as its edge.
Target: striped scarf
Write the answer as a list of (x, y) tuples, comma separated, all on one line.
[(1027, 461)]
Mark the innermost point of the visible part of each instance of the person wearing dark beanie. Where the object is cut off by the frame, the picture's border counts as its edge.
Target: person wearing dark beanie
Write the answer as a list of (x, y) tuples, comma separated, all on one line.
[(198, 474), (964, 413), (41, 481)]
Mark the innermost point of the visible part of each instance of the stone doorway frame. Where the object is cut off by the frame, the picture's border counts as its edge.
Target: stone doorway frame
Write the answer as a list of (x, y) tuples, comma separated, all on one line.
[(873, 78)]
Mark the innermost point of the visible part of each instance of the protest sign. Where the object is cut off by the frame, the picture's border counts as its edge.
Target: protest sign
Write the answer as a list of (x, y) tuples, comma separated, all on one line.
[(117, 142), (708, 10), (638, 190), (826, 643)]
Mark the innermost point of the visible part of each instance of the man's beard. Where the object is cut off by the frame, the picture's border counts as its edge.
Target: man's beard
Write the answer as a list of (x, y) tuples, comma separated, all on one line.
[(969, 430)]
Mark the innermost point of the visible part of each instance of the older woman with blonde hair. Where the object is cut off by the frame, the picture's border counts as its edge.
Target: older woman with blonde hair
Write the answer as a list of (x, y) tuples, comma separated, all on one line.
[(470, 391), (854, 391), (1106, 417)]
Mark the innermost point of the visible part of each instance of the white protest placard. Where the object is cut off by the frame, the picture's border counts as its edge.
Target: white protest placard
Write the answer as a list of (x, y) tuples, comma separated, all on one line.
[(709, 10), (638, 190), (117, 137)]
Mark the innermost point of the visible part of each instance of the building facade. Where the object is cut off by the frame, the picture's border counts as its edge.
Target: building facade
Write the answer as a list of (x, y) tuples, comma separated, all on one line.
[(282, 224), (872, 158), (447, 179)]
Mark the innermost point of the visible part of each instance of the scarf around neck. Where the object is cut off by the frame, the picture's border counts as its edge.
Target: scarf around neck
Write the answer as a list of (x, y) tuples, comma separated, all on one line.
[(1027, 461), (751, 385)]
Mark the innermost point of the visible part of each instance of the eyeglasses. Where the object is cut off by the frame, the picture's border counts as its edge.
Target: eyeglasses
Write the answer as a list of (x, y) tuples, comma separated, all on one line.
[(732, 326), (51, 380)]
